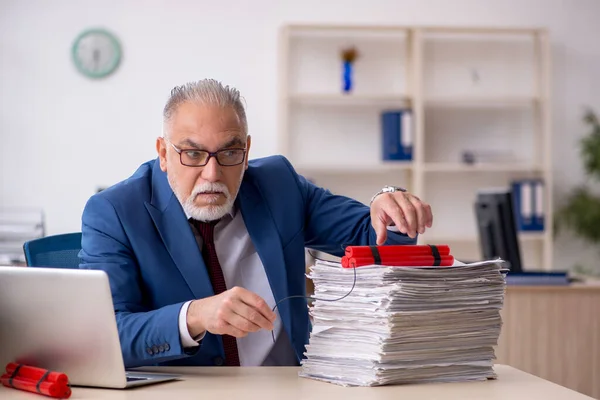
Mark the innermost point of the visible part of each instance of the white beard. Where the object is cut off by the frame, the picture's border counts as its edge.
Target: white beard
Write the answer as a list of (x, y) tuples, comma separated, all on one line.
[(210, 212)]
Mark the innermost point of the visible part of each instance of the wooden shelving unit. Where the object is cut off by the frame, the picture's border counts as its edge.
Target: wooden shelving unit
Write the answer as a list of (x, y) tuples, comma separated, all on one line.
[(480, 167), (343, 100), (470, 89)]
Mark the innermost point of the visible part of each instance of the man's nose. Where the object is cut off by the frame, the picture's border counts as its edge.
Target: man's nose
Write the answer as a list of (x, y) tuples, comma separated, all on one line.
[(211, 171)]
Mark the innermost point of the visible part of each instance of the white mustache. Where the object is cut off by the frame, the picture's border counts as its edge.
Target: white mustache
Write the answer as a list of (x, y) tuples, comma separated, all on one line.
[(210, 187)]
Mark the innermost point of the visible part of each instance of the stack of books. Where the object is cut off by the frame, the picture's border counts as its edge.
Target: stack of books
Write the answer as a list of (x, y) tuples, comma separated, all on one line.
[(392, 324)]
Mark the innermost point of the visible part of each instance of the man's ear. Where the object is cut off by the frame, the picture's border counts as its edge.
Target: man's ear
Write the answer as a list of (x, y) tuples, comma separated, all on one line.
[(248, 143), (161, 149)]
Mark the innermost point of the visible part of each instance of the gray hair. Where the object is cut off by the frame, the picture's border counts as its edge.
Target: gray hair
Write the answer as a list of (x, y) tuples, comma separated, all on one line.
[(206, 91)]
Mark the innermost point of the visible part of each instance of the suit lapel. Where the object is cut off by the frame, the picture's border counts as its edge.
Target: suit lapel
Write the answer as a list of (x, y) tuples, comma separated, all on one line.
[(266, 240), (176, 234), (173, 227)]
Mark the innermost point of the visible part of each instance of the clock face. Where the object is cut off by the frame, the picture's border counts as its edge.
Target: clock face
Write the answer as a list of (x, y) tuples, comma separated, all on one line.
[(96, 53)]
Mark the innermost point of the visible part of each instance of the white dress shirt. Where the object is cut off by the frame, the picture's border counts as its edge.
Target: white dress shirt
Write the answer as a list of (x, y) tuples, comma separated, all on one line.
[(242, 267)]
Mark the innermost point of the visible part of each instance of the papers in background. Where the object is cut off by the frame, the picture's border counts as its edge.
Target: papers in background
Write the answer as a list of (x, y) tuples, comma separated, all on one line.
[(17, 226), (404, 324)]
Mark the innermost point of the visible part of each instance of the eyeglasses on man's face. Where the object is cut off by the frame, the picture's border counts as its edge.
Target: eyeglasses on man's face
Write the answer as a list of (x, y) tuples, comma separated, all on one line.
[(199, 158)]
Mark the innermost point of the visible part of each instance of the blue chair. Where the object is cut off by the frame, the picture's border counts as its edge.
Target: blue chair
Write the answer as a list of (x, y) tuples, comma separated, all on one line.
[(57, 251)]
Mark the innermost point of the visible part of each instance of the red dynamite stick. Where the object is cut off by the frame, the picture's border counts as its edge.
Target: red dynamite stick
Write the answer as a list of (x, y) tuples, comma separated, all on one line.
[(391, 261), (35, 373), (394, 260), (50, 389), (396, 250), (418, 261), (445, 261), (397, 260)]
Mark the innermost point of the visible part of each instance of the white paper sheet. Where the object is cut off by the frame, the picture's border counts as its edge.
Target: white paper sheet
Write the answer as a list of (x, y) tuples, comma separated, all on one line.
[(404, 324)]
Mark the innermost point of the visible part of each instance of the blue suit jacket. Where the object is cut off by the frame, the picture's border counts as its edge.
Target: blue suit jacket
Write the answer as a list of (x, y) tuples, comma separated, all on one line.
[(138, 233)]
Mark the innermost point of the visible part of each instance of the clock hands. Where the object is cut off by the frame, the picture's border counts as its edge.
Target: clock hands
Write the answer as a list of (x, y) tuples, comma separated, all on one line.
[(96, 57)]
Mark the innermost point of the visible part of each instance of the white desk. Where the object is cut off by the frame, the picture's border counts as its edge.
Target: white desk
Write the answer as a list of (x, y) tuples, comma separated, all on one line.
[(283, 383)]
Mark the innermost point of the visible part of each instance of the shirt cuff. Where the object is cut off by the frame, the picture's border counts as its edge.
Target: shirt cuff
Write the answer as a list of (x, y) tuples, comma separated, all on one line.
[(184, 335), (393, 228)]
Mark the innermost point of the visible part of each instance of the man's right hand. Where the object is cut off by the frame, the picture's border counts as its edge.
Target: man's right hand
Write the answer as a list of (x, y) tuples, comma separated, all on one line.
[(235, 312)]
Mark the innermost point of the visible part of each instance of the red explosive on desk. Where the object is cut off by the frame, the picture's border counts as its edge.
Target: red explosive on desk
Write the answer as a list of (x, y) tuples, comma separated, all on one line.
[(398, 256), (36, 380)]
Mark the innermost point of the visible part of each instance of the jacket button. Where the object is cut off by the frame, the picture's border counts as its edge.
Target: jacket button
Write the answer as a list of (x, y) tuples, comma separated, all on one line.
[(161, 348), (218, 361), (155, 349), (167, 347), (149, 350)]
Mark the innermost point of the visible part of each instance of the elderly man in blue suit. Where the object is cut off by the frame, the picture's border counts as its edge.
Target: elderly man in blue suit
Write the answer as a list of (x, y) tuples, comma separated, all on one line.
[(201, 243)]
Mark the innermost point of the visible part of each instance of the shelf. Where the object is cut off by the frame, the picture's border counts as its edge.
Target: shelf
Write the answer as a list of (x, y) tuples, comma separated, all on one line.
[(532, 236), (482, 30), (524, 237), (347, 31), (353, 169), (481, 167), (482, 102), (352, 99), (360, 29), (473, 89)]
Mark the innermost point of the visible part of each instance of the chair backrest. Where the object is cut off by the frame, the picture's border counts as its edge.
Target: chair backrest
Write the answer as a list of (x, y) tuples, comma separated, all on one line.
[(58, 251)]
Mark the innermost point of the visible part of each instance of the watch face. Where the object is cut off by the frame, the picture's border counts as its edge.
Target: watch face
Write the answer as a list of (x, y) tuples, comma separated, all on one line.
[(96, 53)]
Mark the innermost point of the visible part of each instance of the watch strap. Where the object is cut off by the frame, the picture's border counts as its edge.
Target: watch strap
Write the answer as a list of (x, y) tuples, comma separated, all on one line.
[(387, 189)]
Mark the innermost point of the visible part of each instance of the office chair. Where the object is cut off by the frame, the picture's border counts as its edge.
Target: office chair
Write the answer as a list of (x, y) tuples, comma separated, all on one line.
[(57, 251)]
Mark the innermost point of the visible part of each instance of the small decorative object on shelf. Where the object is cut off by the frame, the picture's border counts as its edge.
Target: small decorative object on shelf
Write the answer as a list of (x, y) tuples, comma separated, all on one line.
[(468, 157), (471, 157), (349, 55)]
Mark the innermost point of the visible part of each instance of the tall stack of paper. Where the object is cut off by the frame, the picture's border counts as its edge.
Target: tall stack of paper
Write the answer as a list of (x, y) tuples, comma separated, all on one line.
[(404, 324)]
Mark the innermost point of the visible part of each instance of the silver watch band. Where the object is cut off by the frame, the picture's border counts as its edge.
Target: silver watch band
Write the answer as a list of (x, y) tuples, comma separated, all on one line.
[(387, 189)]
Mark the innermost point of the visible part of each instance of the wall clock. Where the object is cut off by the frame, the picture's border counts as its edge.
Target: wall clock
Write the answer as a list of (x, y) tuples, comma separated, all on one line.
[(96, 53)]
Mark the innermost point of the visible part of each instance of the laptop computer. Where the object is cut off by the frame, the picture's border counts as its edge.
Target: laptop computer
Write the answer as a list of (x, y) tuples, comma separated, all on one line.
[(63, 320)]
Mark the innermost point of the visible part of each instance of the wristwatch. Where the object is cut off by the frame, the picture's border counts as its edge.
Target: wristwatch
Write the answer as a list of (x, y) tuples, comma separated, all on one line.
[(387, 189)]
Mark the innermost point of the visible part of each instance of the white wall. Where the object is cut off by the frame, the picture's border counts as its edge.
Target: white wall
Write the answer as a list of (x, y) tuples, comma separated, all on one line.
[(64, 135)]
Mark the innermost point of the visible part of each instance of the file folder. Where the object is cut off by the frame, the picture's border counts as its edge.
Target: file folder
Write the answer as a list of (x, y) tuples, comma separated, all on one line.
[(397, 135), (528, 197)]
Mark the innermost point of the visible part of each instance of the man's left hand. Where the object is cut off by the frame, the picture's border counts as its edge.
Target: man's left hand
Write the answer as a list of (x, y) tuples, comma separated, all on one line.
[(406, 211)]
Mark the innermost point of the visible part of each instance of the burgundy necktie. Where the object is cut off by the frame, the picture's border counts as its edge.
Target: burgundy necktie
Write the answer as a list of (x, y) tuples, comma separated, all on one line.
[(206, 230)]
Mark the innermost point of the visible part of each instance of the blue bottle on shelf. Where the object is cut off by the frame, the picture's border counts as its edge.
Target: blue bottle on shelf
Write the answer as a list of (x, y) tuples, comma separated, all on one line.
[(347, 76)]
